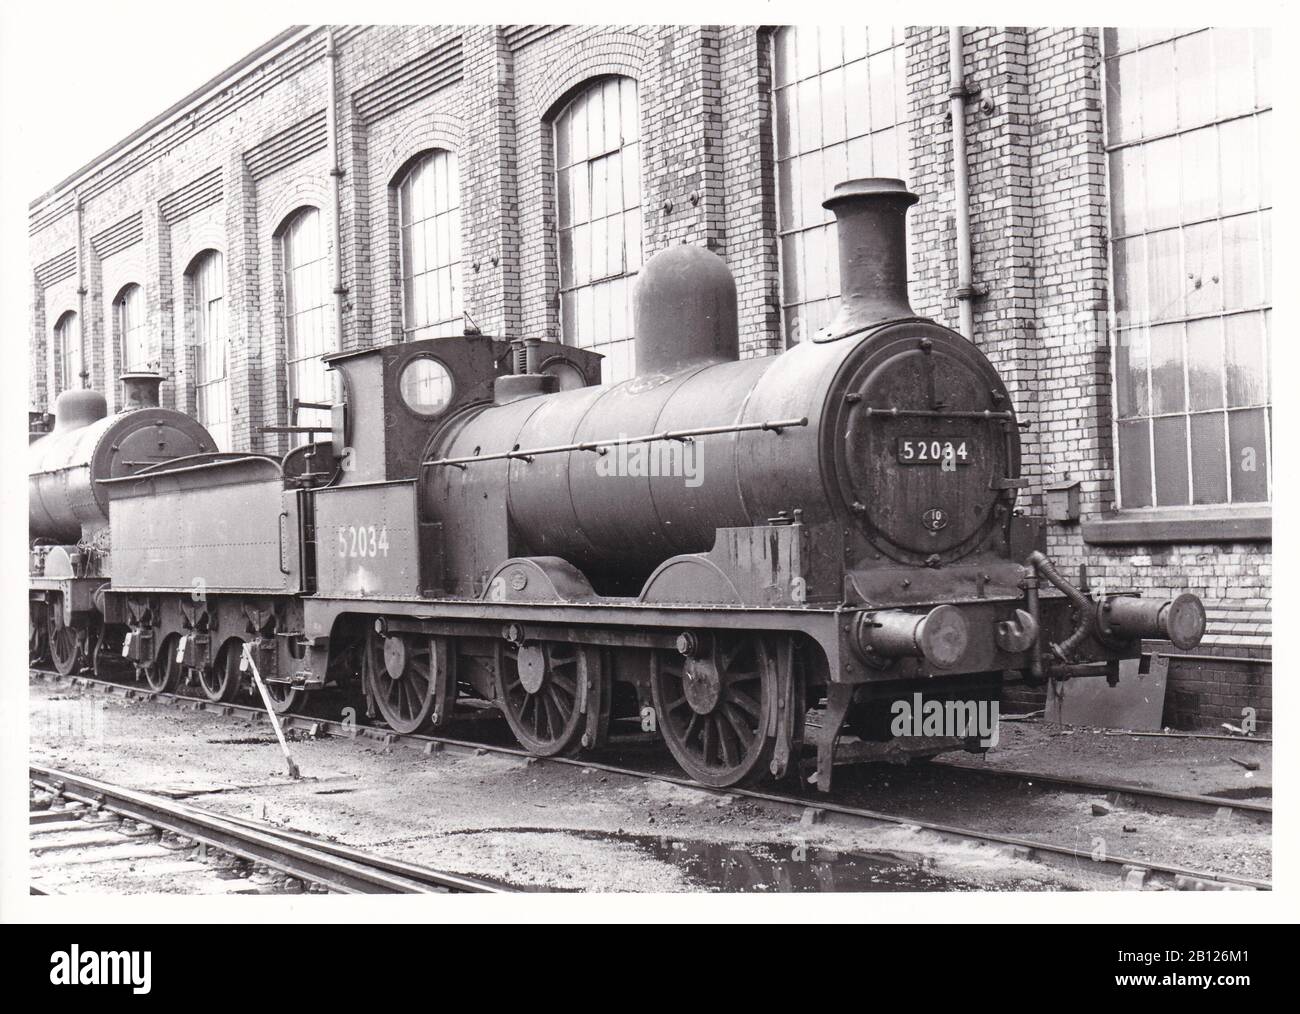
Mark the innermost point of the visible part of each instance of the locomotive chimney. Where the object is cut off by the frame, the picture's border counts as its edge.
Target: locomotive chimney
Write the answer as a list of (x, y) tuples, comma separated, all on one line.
[(871, 221), (140, 390), (685, 311)]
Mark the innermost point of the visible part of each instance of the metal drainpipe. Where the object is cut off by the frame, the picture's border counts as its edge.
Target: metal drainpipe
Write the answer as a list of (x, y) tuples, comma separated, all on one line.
[(83, 364), (336, 172), (957, 94)]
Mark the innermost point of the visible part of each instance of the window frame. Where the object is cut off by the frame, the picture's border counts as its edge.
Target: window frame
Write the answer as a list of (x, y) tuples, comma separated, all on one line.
[(289, 314), (418, 163), (201, 338), (1187, 522), (64, 382), (780, 161), (125, 297), (632, 263)]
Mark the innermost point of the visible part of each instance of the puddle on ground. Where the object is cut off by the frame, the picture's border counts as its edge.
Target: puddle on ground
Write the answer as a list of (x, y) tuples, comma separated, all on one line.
[(760, 867), (791, 868)]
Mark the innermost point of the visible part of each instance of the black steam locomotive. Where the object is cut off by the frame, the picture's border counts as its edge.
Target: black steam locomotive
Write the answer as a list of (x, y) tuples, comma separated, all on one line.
[(710, 551)]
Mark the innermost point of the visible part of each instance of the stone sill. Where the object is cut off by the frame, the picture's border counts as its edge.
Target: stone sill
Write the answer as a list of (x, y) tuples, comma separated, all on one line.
[(1252, 523)]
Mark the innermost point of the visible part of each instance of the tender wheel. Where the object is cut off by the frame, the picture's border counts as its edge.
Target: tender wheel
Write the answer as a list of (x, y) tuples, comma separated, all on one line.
[(163, 673), (67, 650), (714, 707), (542, 687), (221, 680), (408, 678), (284, 698)]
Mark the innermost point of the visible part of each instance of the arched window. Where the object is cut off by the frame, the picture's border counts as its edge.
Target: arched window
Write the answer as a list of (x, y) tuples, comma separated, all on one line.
[(841, 114), (308, 327), (598, 194), (67, 340), (131, 329), (211, 347), (429, 208)]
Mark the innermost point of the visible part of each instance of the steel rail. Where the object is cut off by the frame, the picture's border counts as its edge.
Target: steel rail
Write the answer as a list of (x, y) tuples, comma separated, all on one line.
[(1147, 872), (1188, 799), (599, 446), (291, 854)]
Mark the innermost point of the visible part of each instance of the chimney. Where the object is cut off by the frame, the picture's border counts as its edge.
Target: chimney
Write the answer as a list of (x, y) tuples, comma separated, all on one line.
[(871, 221), (140, 390), (685, 309)]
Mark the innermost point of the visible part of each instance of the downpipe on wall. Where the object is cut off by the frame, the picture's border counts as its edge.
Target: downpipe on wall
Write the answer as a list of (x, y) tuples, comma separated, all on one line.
[(957, 95), (336, 176)]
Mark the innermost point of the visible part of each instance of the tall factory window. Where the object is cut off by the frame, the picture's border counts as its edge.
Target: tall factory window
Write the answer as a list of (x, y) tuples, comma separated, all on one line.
[(429, 206), (598, 195), (67, 342), (131, 328), (1188, 138), (841, 114), (308, 329), (211, 347)]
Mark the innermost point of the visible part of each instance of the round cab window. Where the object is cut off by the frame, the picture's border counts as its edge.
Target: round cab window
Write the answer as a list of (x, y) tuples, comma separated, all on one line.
[(426, 386)]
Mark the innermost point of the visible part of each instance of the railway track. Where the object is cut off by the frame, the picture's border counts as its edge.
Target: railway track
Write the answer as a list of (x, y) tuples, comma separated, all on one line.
[(1131, 872), (102, 823)]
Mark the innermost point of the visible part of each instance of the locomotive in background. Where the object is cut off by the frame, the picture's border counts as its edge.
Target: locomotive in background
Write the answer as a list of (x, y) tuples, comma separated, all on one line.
[(474, 534)]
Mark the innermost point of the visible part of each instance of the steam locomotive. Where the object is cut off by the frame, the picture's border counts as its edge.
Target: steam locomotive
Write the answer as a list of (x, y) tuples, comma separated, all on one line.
[(710, 552)]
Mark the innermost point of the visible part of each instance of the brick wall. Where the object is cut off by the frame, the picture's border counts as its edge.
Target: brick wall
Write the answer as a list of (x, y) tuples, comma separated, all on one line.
[(227, 173)]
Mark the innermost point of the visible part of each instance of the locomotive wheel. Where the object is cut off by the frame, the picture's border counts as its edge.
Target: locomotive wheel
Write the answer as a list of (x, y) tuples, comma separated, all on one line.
[(221, 680), (714, 709), (66, 650), (163, 673), (538, 686), (403, 673)]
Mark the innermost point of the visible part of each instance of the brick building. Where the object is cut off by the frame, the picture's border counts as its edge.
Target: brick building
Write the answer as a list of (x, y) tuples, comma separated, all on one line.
[(350, 185)]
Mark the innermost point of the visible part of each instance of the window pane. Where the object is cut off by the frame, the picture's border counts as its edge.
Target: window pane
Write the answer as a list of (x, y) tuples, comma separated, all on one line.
[(1205, 363), (1209, 468), (1163, 183), (1130, 280), (809, 111), (857, 96), (1135, 463), (832, 111), (1199, 159), (1165, 287), (1167, 394), (1242, 268), (1171, 460), (1204, 268), (1159, 105), (1124, 117), (1247, 375), (1248, 456), (1132, 355), (1234, 72), (1129, 208), (1196, 87), (1239, 165)]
